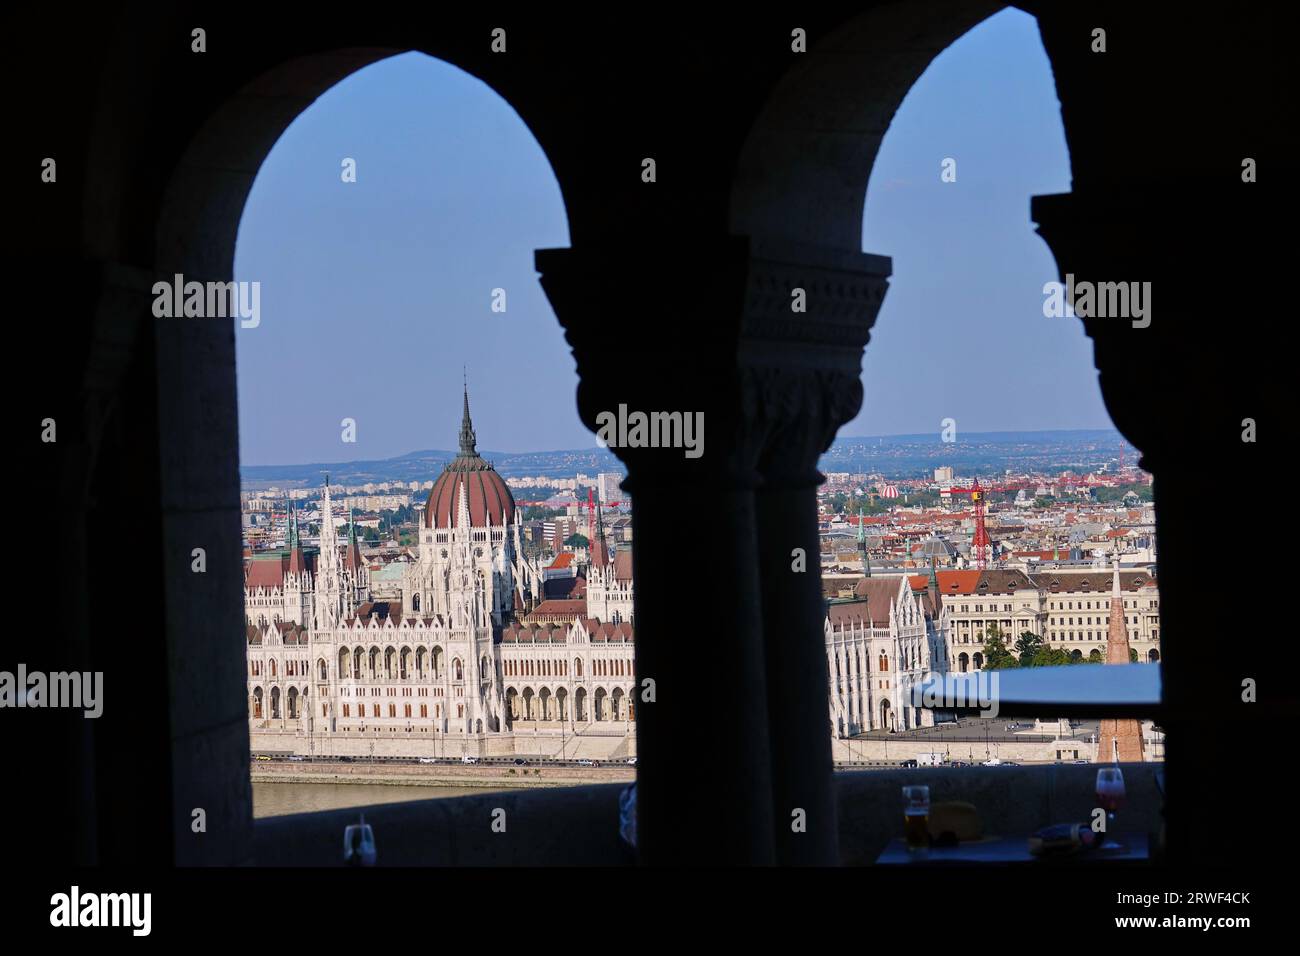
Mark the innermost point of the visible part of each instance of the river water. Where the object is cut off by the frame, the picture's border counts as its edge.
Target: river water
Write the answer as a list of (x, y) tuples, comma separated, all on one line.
[(277, 799)]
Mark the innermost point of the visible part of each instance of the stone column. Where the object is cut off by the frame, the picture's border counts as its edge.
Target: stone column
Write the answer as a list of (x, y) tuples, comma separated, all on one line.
[(1181, 401), (803, 370), (766, 342), (704, 785)]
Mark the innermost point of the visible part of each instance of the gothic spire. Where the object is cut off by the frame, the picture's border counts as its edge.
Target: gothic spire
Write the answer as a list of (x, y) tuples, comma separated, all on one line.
[(467, 438)]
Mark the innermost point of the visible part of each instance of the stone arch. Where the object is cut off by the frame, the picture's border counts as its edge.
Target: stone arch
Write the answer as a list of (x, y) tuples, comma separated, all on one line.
[(1153, 656), (275, 703), (600, 705), (435, 661), (421, 653), (544, 704), (616, 704), (404, 663), (580, 704), (963, 661), (529, 701), (802, 172), (257, 703), (977, 660), (562, 704), (457, 669), (322, 669), (374, 662), (357, 661), (390, 662)]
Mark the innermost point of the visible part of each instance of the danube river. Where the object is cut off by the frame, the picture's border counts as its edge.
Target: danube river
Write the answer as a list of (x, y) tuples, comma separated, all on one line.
[(277, 799)]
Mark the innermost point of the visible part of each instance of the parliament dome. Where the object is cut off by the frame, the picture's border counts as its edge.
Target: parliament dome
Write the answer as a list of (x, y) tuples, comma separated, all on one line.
[(486, 493)]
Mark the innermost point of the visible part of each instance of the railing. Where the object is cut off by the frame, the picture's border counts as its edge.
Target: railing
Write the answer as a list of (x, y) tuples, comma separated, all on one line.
[(578, 826)]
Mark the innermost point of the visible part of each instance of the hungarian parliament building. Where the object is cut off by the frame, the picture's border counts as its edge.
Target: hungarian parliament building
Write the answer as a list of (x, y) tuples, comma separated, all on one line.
[(471, 658)]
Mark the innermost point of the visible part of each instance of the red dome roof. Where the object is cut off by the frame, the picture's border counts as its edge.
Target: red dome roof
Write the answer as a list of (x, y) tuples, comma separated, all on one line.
[(489, 499), (486, 493)]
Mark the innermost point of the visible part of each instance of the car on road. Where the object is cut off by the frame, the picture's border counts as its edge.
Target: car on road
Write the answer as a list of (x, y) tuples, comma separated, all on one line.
[(520, 761), (585, 763), (262, 757), (631, 761), (907, 763), (296, 757), (468, 759), (1081, 760), (428, 760)]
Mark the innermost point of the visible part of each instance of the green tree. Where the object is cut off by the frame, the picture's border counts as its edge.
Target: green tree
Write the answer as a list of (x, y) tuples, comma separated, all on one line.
[(1027, 645), (576, 540), (1132, 655), (1049, 657), (1094, 656), (996, 655)]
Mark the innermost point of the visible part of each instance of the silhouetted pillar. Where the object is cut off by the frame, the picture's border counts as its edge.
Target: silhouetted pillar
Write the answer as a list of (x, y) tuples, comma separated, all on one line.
[(766, 343), (1182, 402), (703, 770), (803, 373)]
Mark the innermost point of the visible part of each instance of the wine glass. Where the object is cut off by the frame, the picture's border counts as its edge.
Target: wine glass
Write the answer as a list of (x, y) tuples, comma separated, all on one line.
[(1110, 797)]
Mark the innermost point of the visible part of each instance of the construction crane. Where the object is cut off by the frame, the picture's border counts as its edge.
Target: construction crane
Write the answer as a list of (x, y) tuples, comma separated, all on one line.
[(980, 544)]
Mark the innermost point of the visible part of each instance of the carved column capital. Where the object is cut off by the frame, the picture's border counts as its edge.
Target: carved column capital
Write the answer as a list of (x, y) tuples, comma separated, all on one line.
[(765, 339)]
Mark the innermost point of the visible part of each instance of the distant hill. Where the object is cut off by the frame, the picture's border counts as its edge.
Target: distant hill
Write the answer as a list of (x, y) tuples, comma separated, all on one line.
[(895, 456)]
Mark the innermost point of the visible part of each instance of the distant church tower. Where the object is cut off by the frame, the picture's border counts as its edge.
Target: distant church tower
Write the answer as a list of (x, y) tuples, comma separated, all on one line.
[(1118, 739)]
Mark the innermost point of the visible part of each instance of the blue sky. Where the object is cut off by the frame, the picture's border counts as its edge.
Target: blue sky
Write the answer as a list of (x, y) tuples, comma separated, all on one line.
[(376, 293)]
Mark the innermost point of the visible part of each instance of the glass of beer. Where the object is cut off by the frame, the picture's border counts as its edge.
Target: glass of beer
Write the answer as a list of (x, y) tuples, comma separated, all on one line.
[(1110, 797), (916, 817)]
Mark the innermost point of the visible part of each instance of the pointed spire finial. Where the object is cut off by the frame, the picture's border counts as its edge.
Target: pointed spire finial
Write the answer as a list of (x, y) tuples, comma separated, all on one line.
[(467, 437)]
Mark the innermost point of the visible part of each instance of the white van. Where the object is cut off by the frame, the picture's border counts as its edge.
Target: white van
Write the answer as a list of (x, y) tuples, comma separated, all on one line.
[(468, 759)]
